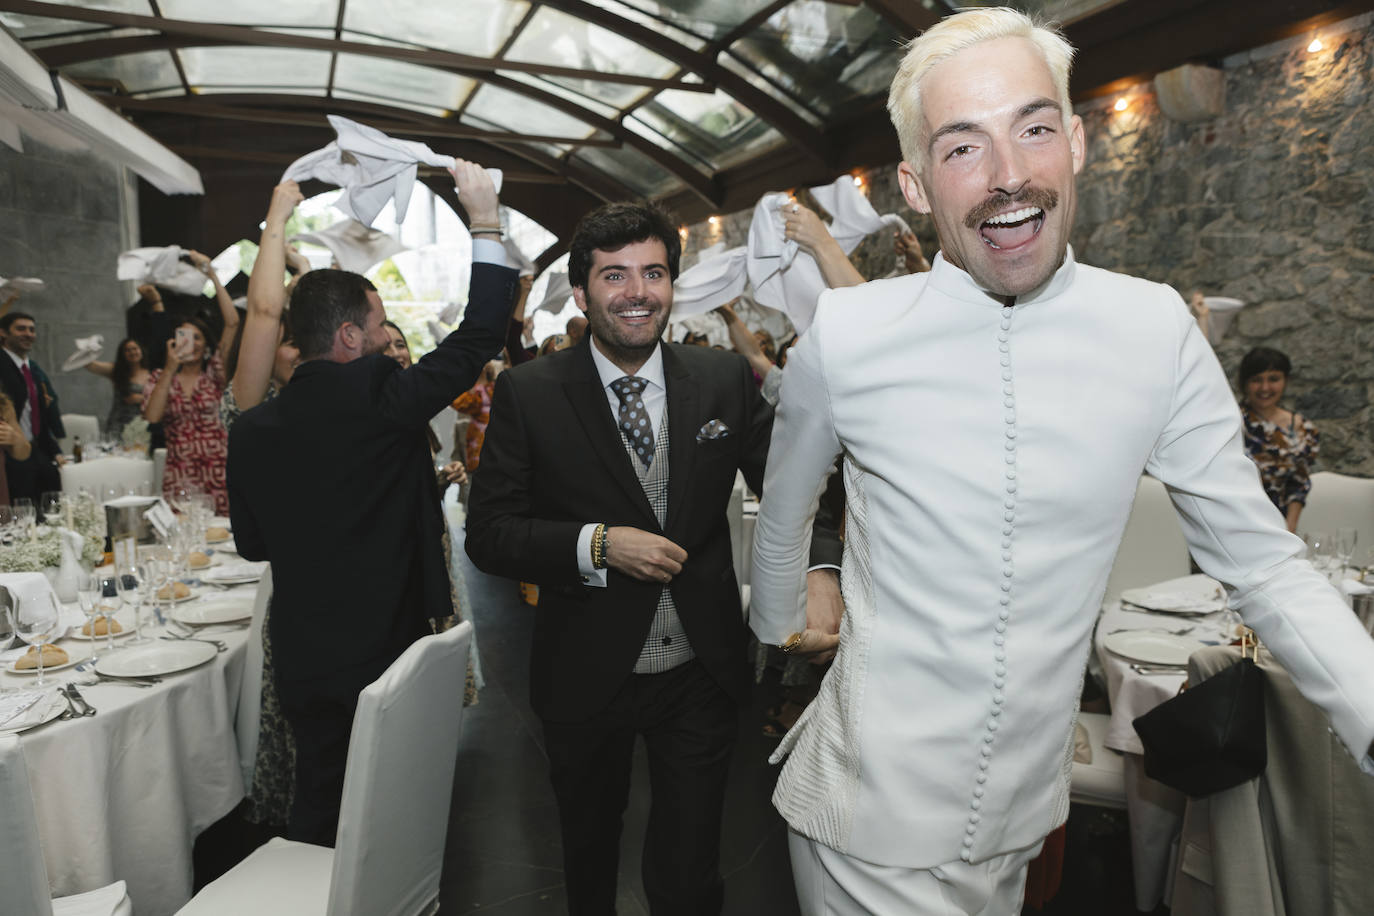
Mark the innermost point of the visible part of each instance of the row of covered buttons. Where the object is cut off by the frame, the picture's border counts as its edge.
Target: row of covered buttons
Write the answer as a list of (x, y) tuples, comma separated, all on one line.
[(1004, 610)]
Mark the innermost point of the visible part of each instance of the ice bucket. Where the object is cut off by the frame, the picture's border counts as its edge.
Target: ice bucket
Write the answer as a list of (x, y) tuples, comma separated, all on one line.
[(124, 517)]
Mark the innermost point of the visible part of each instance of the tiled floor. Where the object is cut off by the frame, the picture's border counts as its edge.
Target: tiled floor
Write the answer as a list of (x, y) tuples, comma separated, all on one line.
[(503, 854)]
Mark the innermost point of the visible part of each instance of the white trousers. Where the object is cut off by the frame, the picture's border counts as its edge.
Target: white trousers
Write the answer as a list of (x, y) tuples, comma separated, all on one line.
[(830, 883)]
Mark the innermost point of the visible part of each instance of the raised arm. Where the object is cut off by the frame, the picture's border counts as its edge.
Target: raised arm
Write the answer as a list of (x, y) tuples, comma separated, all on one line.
[(743, 341), (802, 225), (222, 299), (104, 370), (266, 301)]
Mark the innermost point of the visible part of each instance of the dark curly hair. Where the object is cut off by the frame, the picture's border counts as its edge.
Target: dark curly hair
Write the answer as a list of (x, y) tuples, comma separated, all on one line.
[(611, 227)]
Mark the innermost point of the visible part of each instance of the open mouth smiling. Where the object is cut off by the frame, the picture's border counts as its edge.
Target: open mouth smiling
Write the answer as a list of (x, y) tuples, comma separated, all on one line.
[(1011, 230)]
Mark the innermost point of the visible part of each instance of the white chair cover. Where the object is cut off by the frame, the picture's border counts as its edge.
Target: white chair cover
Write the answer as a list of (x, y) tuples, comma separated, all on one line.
[(394, 815), (79, 424), (1153, 548), (246, 720), (1102, 780), (135, 473), (1340, 501), (23, 876)]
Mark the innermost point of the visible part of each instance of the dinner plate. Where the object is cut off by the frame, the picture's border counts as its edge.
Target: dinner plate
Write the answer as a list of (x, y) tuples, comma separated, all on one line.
[(162, 657), (27, 720), (73, 658), (1196, 594), (1153, 647), (213, 610), (194, 594)]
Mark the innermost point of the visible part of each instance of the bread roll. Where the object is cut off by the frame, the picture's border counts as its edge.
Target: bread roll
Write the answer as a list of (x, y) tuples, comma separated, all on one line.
[(175, 591), (99, 624), (197, 560), (216, 533), (52, 655)]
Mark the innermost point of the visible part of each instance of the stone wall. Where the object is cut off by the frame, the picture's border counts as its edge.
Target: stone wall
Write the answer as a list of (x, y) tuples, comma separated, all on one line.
[(1270, 203), (65, 217)]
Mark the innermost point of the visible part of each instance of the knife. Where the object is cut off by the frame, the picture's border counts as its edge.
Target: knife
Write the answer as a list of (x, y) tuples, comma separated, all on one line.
[(86, 708)]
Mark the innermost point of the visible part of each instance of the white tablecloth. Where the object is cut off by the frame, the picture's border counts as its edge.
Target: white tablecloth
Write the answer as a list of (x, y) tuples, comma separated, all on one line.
[(1155, 810), (122, 795)]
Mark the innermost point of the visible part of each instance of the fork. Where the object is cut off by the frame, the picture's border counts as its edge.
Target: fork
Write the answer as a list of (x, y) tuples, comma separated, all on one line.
[(97, 678), (71, 712), (174, 637)]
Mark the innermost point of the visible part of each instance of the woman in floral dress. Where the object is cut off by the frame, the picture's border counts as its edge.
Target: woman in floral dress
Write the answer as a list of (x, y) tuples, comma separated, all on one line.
[(1283, 443)]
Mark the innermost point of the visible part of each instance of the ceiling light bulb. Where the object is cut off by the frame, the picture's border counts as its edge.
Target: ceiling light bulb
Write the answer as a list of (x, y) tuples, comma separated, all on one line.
[(1315, 46), (858, 181), (714, 221), (1120, 105)]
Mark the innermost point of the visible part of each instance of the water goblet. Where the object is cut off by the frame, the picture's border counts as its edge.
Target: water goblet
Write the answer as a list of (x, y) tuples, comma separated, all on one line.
[(25, 516), (35, 620), (109, 603), (88, 596), (129, 582), (1344, 544), (50, 508)]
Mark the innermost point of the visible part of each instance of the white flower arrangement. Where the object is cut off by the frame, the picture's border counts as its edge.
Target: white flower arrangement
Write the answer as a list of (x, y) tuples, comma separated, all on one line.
[(44, 549), (135, 434)]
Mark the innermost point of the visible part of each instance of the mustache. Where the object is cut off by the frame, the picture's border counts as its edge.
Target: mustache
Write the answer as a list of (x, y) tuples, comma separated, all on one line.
[(1044, 198)]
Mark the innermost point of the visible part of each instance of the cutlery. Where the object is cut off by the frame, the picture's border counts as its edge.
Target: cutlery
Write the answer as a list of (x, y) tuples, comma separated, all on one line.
[(1181, 631), (1160, 669), (71, 712), (75, 695), (88, 669), (219, 646)]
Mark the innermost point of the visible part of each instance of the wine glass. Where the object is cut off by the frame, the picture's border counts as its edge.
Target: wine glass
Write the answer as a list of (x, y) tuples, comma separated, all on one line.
[(129, 582), (50, 507), (8, 523), (1319, 550), (35, 619), (25, 515), (88, 596), (1344, 544), (109, 604)]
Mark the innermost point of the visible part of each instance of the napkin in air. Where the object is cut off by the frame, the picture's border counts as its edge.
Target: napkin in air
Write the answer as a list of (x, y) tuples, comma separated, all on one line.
[(356, 246), (87, 351), (852, 217), (556, 293), (716, 279), (22, 284), (783, 276), (161, 267), (371, 167), (517, 259)]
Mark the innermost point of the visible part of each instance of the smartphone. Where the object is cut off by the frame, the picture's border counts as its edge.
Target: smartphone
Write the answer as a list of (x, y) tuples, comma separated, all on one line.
[(185, 342)]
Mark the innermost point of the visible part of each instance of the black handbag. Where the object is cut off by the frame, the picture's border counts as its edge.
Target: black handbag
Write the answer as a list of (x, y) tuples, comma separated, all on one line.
[(1211, 736)]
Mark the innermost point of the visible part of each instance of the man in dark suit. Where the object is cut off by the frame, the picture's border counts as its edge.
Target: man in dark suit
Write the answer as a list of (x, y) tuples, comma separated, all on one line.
[(35, 403), (333, 482), (605, 477)]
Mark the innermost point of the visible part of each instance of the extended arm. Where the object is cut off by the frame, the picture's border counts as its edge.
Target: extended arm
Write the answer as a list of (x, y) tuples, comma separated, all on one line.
[(155, 402), (515, 344), (803, 225), (223, 300), (104, 370), (1238, 537), (266, 301), (744, 342)]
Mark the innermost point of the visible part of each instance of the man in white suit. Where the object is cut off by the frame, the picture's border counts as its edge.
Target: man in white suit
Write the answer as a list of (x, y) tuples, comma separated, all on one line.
[(995, 415)]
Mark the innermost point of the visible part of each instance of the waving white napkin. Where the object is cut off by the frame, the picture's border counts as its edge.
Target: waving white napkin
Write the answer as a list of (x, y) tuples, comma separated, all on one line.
[(355, 245), (718, 277), (22, 284), (163, 267), (87, 350), (852, 217), (556, 293), (517, 259), (371, 167), (783, 276)]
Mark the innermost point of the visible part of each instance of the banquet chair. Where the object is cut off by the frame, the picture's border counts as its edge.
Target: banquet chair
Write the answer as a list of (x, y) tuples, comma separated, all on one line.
[(23, 876), (394, 816), (1100, 781), (1295, 840), (1340, 501), (79, 424), (1153, 548), (134, 474)]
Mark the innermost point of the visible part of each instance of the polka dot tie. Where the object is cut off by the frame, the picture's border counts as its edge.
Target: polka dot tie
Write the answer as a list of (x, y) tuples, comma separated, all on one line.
[(634, 419)]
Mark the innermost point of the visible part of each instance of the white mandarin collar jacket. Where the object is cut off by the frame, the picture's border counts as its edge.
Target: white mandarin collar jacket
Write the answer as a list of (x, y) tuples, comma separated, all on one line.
[(992, 455)]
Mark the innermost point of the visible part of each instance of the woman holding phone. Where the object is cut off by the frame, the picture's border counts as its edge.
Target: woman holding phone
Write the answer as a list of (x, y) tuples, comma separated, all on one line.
[(184, 397)]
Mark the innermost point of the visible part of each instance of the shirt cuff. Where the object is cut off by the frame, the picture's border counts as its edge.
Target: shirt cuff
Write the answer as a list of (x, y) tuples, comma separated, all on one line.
[(488, 252), (590, 574)]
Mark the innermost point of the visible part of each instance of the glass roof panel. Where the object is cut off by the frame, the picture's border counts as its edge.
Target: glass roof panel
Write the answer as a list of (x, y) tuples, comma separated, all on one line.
[(55, 38), (406, 82), (713, 127), (708, 18), (656, 138), (827, 54), (732, 64), (253, 12), (606, 111), (477, 27), (689, 39), (258, 67), (631, 168), (554, 37), (511, 111), (140, 72)]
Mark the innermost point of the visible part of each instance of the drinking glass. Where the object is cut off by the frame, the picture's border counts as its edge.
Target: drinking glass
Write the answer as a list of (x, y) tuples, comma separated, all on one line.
[(35, 620), (129, 582), (1319, 550), (1345, 545), (25, 515), (50, 507), (8, 523), (109, 604), (88, 595)]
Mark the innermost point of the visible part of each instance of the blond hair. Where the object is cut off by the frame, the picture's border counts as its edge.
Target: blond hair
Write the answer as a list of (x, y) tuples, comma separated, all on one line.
[(954, 34)]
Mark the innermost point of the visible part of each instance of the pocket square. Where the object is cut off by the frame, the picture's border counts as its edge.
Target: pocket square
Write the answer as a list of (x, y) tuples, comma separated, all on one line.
[(712, 429)]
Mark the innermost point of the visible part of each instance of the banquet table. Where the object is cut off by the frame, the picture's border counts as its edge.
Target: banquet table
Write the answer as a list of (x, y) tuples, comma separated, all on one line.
[(122, 795), (1155, 810)]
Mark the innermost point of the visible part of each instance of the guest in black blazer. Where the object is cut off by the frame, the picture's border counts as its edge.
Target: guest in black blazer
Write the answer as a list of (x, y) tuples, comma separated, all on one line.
[(40, 417), (332, 481), (639, 629)]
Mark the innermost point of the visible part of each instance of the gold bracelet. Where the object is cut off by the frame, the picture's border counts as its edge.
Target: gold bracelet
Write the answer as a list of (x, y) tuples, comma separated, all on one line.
[(599, 547), (791, 644), (493, 230)]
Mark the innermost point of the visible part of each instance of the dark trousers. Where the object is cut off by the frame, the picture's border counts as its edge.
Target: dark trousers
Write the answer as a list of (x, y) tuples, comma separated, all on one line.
[(320, 714), (689, 726), (32, 477)]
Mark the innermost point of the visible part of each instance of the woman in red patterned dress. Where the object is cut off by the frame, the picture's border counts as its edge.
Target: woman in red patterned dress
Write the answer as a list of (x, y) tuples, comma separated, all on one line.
[(185, 398)]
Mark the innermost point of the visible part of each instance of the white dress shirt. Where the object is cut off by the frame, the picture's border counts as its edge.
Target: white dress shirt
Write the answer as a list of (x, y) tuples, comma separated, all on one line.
[(655, 397), (992, 455)]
